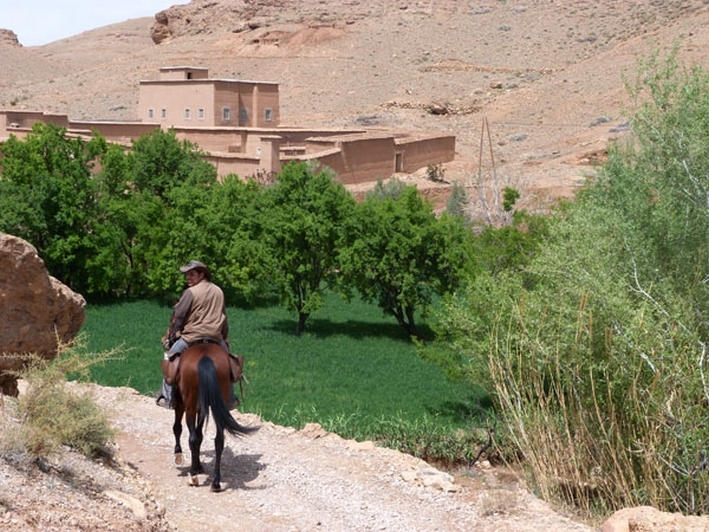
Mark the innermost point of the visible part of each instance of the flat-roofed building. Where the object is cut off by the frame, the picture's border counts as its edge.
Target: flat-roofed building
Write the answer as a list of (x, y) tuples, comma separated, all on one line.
[(236, 124), (185, 96)]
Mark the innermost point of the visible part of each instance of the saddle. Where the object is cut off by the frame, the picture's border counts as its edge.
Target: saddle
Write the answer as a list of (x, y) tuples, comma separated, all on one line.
[(171, 367)]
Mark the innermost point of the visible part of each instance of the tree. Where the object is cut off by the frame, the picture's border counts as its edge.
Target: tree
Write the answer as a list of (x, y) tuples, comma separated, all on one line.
[(398, 254), (150, 195), (159, 162), (48, 197), (302, 214), (220, 225)]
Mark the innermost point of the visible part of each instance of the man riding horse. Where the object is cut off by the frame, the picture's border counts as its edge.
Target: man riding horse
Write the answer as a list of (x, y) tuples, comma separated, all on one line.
[(199, 316)]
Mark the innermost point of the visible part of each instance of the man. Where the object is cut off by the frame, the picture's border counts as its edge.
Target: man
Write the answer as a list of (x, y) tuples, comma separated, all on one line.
[(199, 314)]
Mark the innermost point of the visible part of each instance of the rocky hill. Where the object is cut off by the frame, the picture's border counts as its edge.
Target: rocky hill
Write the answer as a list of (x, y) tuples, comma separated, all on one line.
[(533, 89)]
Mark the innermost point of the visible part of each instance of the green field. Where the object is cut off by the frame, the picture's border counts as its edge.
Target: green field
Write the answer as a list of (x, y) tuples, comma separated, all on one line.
[(354, 370)]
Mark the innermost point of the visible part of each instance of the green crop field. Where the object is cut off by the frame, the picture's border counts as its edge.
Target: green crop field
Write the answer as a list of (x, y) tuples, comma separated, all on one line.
[(354, 370)]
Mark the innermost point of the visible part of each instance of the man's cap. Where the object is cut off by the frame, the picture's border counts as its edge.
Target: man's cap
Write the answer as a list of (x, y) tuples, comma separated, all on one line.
[(193, 265)]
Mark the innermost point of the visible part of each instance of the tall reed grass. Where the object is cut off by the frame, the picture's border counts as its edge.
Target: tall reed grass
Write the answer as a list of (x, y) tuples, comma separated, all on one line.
[(610, 425)]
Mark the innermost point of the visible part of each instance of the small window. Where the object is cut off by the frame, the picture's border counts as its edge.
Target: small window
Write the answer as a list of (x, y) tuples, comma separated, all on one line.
[(187, 113), (200, 113), (163, 113), (268, 115), (226, 114), (243, 116), (151, 114)]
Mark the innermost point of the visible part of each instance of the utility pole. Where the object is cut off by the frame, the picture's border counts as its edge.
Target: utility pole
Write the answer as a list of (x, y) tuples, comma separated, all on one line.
[(485, 181)]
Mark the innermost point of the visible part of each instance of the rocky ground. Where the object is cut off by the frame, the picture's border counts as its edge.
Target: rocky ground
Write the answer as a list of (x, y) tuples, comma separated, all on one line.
[(277, 479)]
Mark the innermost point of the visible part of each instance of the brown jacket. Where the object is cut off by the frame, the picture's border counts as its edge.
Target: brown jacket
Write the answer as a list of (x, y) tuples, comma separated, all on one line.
[(200, 313)]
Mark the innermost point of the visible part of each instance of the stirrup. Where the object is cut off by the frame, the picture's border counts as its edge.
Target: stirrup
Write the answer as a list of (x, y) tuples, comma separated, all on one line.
[(165, 395)]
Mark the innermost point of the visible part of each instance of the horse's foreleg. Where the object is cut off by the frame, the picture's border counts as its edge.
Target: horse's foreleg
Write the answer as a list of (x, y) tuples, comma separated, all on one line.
[(218, 448)]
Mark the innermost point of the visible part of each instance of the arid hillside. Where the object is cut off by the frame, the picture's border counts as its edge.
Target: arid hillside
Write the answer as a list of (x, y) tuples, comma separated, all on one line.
[(545, 76)]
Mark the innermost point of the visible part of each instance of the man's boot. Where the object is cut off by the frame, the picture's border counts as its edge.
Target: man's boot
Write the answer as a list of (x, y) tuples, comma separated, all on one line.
[(165, 397), (169, 371), (236, 374)]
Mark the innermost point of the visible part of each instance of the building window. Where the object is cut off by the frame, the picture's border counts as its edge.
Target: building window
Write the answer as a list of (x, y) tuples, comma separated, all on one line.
[(151, 114), (268, 115), (187, 113), (200, 113), (243, 116), (226, 114), (163, 113)]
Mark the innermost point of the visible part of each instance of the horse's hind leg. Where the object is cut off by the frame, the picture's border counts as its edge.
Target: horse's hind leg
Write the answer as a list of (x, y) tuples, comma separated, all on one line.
[(195, 444), (177, 431), (218, 448)]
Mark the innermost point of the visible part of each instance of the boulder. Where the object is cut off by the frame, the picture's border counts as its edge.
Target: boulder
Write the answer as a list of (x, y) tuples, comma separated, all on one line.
[(39, 313), (160, 30), (649, 519)]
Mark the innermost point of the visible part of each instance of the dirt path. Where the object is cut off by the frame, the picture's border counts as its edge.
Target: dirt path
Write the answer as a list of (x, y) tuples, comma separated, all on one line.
[(279, 479)]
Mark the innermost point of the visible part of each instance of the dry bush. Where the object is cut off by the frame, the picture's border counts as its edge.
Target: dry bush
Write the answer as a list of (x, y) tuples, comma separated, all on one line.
[(499, 502), (53, 412)]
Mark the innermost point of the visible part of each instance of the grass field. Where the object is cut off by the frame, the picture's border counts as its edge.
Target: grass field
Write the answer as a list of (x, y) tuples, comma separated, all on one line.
[(354, 370)]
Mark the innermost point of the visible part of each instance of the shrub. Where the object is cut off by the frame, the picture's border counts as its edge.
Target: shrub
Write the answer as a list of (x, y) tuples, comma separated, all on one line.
[(597, 355), (54, 412)]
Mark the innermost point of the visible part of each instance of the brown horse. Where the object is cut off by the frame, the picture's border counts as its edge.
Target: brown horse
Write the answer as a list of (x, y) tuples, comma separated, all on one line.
[(203, 384)]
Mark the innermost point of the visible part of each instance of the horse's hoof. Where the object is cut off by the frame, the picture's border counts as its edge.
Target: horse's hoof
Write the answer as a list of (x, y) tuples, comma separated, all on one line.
[(178, 459), (194, 481), (216, 488)]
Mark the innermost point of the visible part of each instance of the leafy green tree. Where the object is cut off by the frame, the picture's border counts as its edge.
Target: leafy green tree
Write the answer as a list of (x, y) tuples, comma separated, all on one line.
[(150, 196), (510, 248), (220, 225), (122, 219), (48, 197), (302, 214), (160, 162), (398, 254)]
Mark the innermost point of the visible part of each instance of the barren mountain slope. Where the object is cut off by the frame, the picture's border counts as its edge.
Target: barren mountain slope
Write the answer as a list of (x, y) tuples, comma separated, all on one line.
[(542, 72)]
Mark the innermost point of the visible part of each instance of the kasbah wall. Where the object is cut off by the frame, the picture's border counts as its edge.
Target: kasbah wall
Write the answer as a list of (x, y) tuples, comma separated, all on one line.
[(236, 123)]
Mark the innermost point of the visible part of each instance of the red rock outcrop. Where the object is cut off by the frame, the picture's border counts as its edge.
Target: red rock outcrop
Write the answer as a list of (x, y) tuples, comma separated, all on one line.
[(38, 312)]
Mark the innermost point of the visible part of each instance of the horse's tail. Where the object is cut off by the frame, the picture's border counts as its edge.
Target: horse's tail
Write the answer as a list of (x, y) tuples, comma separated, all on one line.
[(211, 398)]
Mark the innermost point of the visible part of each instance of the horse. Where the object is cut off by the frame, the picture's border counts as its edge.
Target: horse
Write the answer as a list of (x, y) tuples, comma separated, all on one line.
[(203, 384)]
